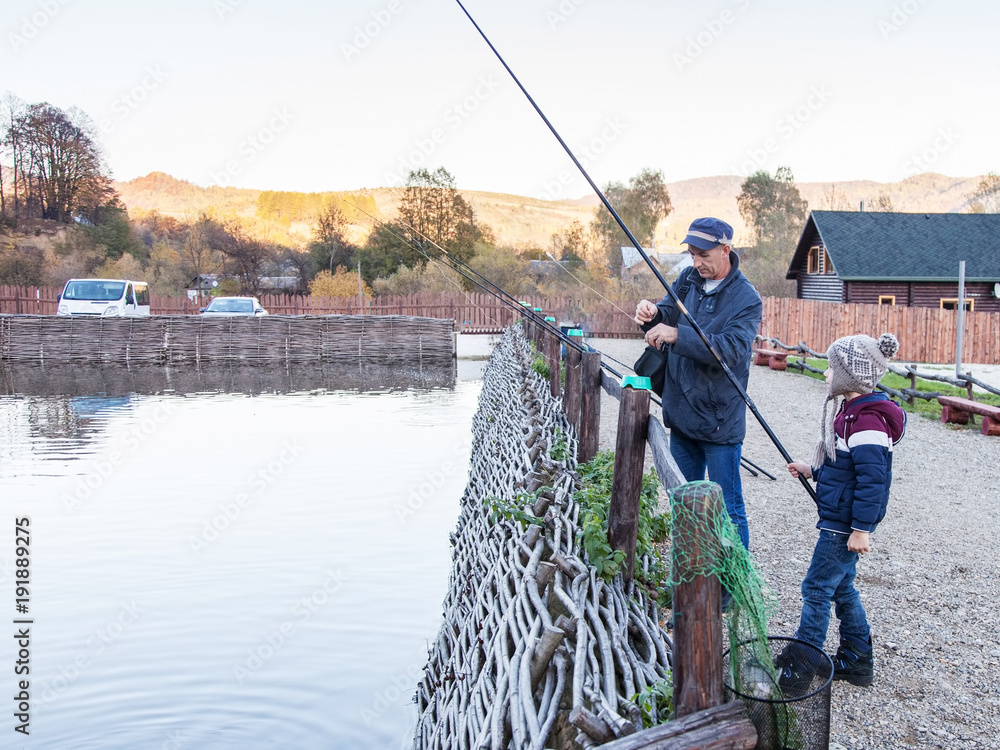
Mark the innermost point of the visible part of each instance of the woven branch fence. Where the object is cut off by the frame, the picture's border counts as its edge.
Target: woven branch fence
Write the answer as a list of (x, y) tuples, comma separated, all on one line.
[(273, 338), (528, 626)]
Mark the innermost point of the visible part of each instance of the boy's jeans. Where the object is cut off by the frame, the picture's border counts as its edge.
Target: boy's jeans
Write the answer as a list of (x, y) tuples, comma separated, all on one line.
[(723, 464), (831, 578)]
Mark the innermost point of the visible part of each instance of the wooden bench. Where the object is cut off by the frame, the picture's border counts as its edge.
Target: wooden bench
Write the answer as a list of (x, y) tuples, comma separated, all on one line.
[(773, 359), (958, 410)]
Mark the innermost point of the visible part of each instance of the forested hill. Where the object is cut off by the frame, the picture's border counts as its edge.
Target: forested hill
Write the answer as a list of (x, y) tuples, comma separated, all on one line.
[(520, 221)]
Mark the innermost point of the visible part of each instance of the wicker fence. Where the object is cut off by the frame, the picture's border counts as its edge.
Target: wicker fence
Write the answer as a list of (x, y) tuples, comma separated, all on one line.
[(166, 339), (925, 334)]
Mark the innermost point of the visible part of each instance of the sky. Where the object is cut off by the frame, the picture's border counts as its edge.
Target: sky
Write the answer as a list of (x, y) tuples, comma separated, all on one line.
[(315, 96)]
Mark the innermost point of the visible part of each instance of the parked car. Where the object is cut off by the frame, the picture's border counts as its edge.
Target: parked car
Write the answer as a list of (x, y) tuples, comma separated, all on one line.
[(233, 307), (115, 298)]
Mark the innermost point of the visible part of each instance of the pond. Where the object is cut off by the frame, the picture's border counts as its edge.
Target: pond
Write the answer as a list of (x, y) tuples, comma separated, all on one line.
[(227, 559)]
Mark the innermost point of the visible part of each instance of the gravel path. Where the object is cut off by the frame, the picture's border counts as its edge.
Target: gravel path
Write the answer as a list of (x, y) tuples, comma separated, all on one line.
[(929, 584)]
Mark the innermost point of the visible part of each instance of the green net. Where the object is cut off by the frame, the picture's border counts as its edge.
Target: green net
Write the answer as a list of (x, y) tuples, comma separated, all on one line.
[(712, 547), (706, 543)]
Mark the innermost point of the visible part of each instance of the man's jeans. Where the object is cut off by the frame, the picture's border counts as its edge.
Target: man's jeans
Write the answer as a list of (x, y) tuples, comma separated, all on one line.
[(723, 464), (831, 578)]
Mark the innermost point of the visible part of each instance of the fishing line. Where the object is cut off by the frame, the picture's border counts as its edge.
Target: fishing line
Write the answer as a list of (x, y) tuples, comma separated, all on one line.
[(652, 266)]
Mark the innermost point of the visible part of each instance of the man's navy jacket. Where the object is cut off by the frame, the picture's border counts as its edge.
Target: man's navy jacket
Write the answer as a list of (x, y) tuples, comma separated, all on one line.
[(699, 401)]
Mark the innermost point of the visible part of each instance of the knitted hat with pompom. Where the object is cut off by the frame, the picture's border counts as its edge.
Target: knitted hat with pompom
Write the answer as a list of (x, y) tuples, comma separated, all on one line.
[(856, 364)]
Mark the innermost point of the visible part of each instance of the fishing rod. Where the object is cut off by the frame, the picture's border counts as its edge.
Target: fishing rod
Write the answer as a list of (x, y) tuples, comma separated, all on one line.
[(506, 298), (638, 246)]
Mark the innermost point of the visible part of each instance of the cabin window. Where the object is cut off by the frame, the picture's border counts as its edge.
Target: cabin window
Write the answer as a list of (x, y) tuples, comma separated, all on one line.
[(887, 299), (812, 264), (827, 263), (952, 303)]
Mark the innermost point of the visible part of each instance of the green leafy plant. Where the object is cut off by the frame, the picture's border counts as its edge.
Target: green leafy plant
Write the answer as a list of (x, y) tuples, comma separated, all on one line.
[(539, 365), (559, 450), (656, 703), (514, 511), (594, 497)]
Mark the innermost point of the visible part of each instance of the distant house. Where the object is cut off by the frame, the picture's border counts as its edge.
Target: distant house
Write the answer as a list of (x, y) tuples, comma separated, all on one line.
[(202, 284), (634, 265), (898, 259)]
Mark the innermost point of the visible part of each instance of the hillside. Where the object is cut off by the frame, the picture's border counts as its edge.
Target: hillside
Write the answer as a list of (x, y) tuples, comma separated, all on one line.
[(522, 221)]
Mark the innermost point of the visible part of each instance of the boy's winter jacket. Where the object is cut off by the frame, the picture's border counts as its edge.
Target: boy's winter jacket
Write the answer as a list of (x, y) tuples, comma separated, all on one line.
[(853, 489)]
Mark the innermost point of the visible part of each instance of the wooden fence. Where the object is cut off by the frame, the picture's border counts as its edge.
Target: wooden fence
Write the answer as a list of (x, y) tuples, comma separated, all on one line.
[(925, 334)]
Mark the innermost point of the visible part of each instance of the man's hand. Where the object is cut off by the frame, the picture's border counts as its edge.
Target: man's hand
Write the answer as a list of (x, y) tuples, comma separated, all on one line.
[(645, 311), (661, 334), (797, 469), (859, 542)]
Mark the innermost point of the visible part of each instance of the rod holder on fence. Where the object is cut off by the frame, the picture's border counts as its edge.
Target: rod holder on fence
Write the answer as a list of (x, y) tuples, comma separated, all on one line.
[(571, 399), (697, 600), (630, 454), (552, 359)]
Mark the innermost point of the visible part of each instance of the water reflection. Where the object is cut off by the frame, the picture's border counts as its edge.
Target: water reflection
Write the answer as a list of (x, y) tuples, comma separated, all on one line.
[(232, 557), (96, 380)]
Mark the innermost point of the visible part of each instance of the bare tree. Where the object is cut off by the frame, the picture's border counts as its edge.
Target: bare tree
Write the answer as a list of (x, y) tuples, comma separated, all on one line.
[(245, 255), (55, 162)]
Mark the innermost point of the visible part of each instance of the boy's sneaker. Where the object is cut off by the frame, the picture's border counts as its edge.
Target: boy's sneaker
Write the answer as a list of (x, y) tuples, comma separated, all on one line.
[(857, 669)]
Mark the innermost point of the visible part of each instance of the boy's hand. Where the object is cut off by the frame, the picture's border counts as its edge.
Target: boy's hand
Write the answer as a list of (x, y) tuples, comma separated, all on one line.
[(797, 468), (859, 542)]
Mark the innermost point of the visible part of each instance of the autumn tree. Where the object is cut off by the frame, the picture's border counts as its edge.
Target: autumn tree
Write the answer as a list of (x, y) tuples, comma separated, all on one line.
[(329, 247), (775, 213), (433, 208), (641, 205), (55, 165), (985, 199), (386, 250), (343, 283)]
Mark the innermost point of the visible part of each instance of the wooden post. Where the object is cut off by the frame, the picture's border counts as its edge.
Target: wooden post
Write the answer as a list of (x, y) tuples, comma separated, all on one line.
[(697, 604), (536, 329), (590, 406), (571, 399), (630, 454), (552, 347)]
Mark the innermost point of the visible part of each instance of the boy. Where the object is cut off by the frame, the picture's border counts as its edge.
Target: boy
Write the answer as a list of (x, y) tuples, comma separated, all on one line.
[(853, 470)]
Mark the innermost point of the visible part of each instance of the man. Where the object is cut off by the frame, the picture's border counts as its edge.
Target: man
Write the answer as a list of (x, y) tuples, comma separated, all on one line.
[(704, 411)]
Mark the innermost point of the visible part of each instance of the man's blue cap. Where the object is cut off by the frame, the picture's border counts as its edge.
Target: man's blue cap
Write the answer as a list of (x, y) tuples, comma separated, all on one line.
[(707, 233)]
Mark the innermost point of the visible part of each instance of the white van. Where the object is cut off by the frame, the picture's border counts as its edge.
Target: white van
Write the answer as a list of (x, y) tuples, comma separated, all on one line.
[(113, 298)]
